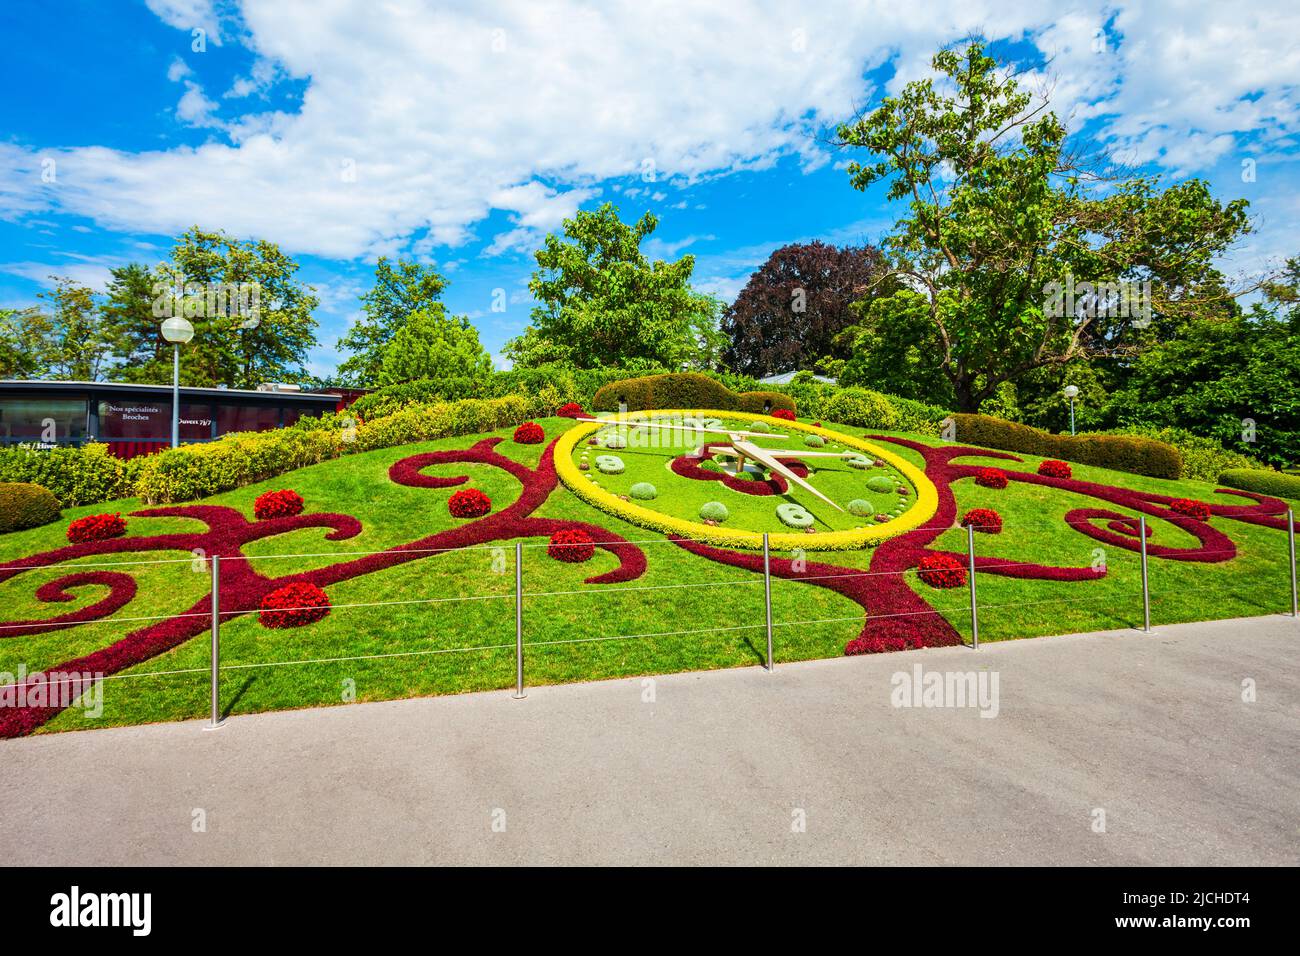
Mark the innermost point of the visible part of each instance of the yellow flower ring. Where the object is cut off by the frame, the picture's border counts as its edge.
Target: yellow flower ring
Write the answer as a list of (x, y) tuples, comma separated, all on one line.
[(922, 509)]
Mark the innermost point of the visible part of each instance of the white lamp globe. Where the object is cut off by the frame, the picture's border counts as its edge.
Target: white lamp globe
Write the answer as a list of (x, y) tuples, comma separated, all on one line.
[(1071, 391), (177, 330)]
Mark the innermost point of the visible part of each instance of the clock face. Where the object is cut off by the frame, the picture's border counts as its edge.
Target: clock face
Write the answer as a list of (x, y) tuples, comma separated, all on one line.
[(730, 477)]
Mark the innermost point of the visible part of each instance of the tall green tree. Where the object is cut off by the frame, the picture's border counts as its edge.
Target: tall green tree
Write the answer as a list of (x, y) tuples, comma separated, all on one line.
[(252, 315), (140, 353), (25, 343), (1004, 225), (76, 346), (602, 303), (432, 345), (399, 291)]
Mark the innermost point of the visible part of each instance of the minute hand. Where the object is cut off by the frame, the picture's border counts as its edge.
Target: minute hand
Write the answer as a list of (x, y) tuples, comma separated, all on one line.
[(759, 455)]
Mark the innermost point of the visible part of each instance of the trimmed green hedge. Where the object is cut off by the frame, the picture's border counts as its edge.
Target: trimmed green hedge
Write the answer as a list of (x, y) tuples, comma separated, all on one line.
[(26, 505), (1204, 459), (684, 390), (197, 471), (76, 476), (1132, 453), (1261, 482)]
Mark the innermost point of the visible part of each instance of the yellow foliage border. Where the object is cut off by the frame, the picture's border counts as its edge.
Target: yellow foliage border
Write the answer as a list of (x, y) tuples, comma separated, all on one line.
[(922, 510)]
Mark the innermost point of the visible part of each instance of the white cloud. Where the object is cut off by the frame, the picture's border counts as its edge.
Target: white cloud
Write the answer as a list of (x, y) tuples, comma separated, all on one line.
[(419, 120), (188, 15)]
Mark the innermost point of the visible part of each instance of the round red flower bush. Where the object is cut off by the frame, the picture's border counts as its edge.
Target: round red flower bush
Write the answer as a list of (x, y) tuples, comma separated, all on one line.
[(569, 410), (96, 528), (991, 478), (1054, 469), (985, 520), (784, 414), (294, 605), (1191, 508), (277, 504), (572, 545), (469, 503), (529, 433), (942, 571)]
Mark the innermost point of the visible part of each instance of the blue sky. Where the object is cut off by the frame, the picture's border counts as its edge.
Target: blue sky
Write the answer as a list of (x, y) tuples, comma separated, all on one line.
[(459, 134)]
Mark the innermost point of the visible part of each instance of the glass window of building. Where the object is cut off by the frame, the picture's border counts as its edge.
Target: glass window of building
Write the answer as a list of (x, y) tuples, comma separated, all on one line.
[(35, 419)]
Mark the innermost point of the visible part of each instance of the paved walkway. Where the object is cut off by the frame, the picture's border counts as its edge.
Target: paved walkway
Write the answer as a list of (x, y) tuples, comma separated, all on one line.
[(720, 767)]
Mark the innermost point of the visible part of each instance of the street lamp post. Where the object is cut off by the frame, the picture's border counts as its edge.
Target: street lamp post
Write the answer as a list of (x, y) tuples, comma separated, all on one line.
[(1070, 392), (177, 331)]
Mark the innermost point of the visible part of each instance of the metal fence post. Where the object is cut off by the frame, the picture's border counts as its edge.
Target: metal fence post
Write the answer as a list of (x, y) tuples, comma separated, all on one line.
[(1290, 538), (974, 610), (519, 621), (767, 597), (216, 641), (1146, 588)]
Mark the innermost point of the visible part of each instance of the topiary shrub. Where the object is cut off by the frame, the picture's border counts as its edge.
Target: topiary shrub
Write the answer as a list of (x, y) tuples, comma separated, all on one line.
[(570, 410), (991, 478), (793, 515), (714, 511), (643, 491), (277, 504), (1261, 482), (469, 503), (1190, 508), (710, 465), (861, 407), (761, 427), (784, 414), (572, 545), (1132, 453), (684, 390), (858, 461), (294, 605), (941, 571), (529, 433), (1055, 469), (861, 508), (984, 520), (24, 504), (609, 464), (96, 528), (814, 441), (881, 484)]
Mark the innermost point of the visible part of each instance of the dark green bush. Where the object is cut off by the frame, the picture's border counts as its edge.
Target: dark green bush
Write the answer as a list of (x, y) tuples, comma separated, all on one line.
[(684, 390), (1273, 483), (26, 505), (1132, 453)]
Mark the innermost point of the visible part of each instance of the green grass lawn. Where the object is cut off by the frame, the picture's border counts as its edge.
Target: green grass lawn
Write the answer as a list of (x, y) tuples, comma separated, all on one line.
[(685, 613)]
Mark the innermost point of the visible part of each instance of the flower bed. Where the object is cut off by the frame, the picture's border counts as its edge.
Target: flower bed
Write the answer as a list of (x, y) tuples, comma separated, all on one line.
[(1191, 508), (294, 605), (1052, 468), (571, 545), (530, 433), (469, 503), (984, 520), (991, 478), (941, 571), (96, 528), (277, 504)]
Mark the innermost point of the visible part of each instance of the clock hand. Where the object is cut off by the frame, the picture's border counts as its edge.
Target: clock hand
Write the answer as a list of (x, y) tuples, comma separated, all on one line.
[(753, 451)]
